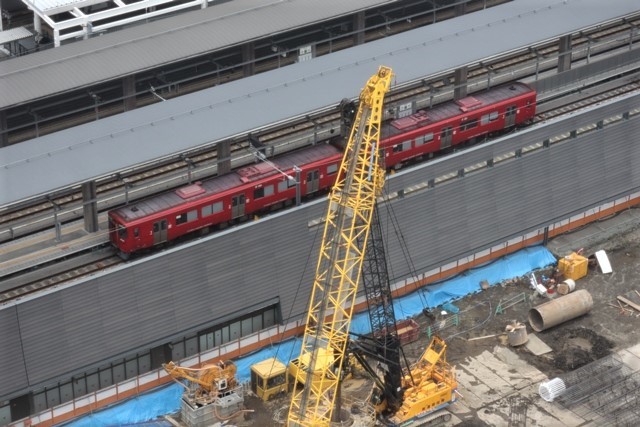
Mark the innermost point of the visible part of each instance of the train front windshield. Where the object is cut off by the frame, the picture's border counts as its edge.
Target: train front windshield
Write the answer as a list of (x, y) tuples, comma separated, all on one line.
[(116, 231)]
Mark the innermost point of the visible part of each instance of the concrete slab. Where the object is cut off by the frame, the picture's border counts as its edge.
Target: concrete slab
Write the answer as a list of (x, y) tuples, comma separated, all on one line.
[(475, 392), (497, 385), (635, 349), (522, 369), (505, 371), (630, 359), (536, 346)]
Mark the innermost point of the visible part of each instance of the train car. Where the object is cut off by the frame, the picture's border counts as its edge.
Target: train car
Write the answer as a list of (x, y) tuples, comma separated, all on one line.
[(455, 122), (259, 187), (222, 199)]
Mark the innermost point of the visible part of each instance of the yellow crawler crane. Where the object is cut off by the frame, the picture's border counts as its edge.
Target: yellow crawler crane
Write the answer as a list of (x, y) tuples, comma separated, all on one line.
[(430, 386), (347, 226)]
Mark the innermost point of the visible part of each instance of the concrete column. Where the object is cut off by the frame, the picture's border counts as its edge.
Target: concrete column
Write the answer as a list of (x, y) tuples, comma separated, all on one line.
[(224, 157), (129, 92), (564, 54), (90, 206), (37, 23), (358, 28), (460, 83), (4, 132), (204, 5), (248, 59)]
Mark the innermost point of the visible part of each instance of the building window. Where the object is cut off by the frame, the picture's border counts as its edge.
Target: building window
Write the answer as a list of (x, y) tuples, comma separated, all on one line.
[(237, 328)]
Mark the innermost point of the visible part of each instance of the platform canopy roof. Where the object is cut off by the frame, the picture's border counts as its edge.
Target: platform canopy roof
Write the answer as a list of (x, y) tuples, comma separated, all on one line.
[(101, 148), (142, 47)]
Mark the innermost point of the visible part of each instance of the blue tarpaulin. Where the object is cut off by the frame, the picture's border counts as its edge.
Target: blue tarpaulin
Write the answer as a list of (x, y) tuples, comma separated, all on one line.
[(507, 267), (167, 399), (145, 407)]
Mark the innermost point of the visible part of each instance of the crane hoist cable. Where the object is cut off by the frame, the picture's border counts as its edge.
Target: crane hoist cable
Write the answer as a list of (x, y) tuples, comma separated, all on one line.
[(347, 226)]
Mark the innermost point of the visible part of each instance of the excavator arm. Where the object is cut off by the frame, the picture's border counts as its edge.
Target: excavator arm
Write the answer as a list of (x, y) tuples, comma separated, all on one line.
[(347, 225)]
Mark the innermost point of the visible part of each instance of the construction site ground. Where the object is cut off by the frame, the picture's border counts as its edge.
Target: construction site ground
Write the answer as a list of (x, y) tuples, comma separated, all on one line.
[(498, 383)]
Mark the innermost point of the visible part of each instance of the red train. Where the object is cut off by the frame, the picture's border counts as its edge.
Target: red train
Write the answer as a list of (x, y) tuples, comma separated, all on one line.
[(260, 187)]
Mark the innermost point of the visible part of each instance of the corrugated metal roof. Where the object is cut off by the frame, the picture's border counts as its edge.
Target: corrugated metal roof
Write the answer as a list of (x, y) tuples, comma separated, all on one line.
[(142, 47), (148, 302), (100, 148), (14, 34)]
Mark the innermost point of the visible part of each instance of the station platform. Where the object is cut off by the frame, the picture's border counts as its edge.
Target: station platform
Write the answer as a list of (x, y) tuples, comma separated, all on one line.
[(42, 248)]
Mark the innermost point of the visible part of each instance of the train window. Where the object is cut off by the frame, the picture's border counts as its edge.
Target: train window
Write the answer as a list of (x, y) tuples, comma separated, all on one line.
[(287, 183), (268, 190), (487, 118), (258, 193), (331, 169), (469, 124), (122, 233), (136, 232), (424, 139), (181, 219), (192, 215), (403, 146), (211, 209)]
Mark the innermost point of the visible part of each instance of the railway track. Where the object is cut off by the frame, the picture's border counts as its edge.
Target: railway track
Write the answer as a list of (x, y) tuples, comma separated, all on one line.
[(151, 179), (94, 261)]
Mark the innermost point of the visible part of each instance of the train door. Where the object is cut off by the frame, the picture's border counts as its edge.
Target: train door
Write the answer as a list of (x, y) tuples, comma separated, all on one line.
[(510, 117), (160, 231), (313, 181), (446, 137), (237, 206)]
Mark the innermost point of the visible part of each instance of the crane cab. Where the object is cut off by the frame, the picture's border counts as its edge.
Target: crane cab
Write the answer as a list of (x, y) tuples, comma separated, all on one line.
[(269, 379)]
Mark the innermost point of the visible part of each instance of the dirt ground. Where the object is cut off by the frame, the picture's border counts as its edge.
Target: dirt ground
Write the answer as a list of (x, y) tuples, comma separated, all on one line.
[(606, 328)]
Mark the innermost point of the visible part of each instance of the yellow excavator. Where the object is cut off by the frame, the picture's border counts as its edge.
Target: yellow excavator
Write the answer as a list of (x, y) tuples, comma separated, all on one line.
[(206, 384), (402, 396)]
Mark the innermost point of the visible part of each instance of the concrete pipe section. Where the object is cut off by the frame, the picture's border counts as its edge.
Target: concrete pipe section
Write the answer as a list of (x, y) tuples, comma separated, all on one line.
[(560, 310)]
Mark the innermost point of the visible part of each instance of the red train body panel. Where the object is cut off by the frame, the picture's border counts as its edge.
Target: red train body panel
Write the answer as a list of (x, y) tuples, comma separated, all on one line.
[(455, 122), (256, 188), (247, 191)]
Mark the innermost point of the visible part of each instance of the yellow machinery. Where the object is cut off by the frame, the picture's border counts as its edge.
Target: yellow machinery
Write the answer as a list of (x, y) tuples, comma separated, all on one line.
[(207, 383), (573, 266), (430, 386), (347, 224), (351, 229), (269, 379)]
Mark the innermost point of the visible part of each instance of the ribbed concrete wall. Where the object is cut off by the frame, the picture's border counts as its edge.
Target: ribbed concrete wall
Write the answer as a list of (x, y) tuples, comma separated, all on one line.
[(153, 300)]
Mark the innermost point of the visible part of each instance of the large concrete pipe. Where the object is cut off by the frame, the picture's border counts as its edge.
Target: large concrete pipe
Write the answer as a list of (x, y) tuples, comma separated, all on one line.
[(560, 310)]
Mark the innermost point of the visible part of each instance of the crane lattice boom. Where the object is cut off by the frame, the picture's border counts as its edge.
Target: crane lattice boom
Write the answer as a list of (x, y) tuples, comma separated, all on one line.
[(347, 226)]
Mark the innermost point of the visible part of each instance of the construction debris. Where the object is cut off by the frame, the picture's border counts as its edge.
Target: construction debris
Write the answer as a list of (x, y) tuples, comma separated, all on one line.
[(629, 302), (603, 262)]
